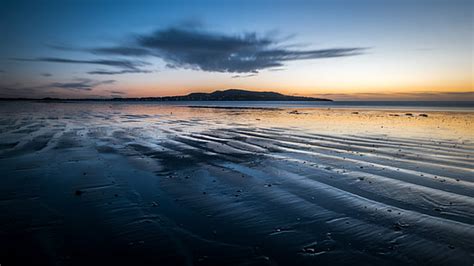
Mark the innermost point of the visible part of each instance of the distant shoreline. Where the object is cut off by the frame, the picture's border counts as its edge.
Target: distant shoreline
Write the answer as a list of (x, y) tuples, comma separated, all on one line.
[(145, 100), (225, 95)]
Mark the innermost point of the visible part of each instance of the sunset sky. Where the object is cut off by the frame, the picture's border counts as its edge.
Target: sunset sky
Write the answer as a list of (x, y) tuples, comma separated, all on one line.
[(344, 50)]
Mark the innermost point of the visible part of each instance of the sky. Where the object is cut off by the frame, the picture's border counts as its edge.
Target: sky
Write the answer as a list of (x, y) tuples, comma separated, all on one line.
[(343, 50)]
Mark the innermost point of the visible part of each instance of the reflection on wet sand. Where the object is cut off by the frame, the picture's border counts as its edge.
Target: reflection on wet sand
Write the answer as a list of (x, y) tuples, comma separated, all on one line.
[(145, 183)]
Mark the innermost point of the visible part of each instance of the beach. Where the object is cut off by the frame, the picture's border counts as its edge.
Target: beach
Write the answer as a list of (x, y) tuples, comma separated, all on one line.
[(143, 183)]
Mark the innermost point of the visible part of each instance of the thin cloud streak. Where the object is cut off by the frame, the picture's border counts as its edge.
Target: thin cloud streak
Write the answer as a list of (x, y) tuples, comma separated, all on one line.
[(244, 76), (80, 84), (131, 66), (117, 92), (119, 72)]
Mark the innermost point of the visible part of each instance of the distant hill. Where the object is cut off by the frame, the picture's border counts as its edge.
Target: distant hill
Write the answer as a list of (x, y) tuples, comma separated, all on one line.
[(237, 95), (225, 95)]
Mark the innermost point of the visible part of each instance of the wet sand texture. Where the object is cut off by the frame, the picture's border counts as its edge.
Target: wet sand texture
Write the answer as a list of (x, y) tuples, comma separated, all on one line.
[(139, 184)]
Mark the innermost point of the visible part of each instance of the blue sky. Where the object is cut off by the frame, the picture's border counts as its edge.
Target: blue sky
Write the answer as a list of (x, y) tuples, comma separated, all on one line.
[(342, 49)]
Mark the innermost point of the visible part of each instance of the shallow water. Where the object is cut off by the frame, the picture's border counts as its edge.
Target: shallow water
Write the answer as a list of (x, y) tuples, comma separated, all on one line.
[(129, 184)]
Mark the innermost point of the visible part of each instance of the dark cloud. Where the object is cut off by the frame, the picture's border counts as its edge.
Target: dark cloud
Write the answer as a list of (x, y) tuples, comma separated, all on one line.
[(189, 46), (197, 49), (46, 74), (79, 84)]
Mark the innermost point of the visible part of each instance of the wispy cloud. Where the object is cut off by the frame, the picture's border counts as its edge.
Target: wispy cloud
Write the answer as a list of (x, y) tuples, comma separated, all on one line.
[(79, 84), (118, 72), (244, 76), (129, 66), (117, 92)]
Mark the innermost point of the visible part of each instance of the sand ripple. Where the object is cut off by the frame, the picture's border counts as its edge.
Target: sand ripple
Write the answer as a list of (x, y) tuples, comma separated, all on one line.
[(170, 186)]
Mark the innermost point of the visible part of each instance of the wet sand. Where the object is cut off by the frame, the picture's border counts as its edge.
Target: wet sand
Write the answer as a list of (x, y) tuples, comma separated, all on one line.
[(141, 184)]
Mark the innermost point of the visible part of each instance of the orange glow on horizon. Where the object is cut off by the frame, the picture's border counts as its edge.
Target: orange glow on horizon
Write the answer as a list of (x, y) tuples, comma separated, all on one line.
[(388, 91)]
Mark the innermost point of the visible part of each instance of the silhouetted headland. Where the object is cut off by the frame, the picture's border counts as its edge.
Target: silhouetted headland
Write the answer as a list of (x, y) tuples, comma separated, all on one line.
[(224, 95)]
